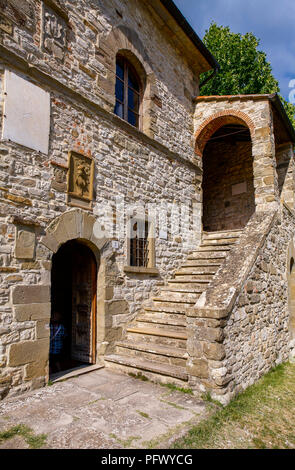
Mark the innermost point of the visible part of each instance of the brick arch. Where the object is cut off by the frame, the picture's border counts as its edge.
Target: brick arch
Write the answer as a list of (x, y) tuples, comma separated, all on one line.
[(215, 122)]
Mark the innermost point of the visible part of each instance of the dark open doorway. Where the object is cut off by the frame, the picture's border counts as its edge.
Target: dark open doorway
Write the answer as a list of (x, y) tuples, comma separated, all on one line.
[(228, 182), (73, 300)]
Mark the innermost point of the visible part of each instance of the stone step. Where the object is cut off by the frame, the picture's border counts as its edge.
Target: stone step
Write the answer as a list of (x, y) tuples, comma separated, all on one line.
[(207, 255), (219, 242), (158, 370), (163, 319), (164, 336), (177, 305), (161, 325), (175, 310), (188, 277), (213, 249), (222, 234), (184, 287), (213, 263), (158, 332), (201, 281), (153, 352), (196, 270), (177, 297)]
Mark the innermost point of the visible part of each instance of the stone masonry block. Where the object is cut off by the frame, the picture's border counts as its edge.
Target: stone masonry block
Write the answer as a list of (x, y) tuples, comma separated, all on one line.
[(30, 294), (29, 312), (214, 351), (28, 351), (199, 368), (25, 244), (35, 370), (42, 329), (210, 334)]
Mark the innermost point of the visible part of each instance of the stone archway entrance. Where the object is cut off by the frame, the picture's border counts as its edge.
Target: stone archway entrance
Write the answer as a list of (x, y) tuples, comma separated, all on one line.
[(228, 181), (73, 305)]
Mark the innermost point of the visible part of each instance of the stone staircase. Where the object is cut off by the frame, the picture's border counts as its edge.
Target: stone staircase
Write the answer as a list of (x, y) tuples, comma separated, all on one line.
[(155, 343)]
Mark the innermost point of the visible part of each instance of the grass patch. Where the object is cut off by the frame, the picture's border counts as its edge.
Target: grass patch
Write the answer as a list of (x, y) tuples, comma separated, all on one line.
[(260, 417), (144, 415), (49, 383), (34, 441), (207, 397), (174, 388), (95, 401), (138, 376), (173, 404), (126, 443)]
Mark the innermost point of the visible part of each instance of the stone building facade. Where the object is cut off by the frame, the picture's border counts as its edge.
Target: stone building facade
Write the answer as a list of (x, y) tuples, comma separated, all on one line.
[(165, 243)]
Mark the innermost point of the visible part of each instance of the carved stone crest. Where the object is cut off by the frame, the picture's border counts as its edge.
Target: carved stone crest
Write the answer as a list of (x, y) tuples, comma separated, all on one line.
[(25, 243), (54, 32), (80, 180), (59, 180)]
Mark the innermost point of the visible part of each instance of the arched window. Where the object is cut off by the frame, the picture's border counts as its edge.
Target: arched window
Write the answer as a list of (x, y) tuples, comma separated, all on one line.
[(128, 92)]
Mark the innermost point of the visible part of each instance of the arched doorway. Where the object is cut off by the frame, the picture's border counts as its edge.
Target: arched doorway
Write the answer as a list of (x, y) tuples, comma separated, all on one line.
[(73, 301), (228, 183)]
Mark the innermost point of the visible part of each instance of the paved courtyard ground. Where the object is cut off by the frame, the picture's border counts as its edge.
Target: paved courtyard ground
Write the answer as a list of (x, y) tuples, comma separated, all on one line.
[(101, 409)]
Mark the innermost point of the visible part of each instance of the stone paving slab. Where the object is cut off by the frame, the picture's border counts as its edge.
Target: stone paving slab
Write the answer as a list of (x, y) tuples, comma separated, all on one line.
[(101, 409)]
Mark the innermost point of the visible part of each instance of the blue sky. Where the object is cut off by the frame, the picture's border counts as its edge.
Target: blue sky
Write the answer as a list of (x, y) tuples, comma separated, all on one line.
[(273, 21)]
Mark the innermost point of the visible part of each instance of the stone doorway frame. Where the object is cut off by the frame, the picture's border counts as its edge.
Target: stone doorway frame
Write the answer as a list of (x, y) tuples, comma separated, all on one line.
[(215, 112), (61, 261), (79, 225), (213, 124)]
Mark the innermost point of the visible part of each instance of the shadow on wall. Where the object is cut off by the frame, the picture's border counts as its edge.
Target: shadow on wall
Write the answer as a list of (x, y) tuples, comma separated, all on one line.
[(228, 187)]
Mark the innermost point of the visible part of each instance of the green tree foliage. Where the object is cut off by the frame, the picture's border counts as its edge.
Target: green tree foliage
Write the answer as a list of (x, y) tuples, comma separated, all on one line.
[(243, 68)]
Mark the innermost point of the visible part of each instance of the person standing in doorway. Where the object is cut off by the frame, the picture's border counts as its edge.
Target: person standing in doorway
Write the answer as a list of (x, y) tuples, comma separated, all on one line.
[(58, 335)]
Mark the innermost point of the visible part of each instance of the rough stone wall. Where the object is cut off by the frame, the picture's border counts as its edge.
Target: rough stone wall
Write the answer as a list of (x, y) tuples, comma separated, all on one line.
[(124, 165), (240, 327), (226, 164), (286, 174), (67, 43), (257, 334)]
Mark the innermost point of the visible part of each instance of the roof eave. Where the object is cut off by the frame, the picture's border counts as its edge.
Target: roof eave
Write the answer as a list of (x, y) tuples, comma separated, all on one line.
[(277, 103)]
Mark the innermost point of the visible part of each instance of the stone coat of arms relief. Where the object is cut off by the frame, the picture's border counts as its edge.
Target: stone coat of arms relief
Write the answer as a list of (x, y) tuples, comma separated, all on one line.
[(80, 180), (54, 33)]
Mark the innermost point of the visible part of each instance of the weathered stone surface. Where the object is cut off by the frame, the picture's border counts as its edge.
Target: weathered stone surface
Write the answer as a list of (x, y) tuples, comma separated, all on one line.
[(42, 329), (214, 351), (28, 351), (198, 368), (27, 312), (25, 244), (30, 294), (35, 369)]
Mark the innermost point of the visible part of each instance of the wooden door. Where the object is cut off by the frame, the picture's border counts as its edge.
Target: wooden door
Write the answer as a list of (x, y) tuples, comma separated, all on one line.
[(83, 305)]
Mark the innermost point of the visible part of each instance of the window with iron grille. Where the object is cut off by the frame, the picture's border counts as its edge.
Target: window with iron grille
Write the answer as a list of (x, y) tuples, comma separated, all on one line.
[(128, 92), (139, 243)]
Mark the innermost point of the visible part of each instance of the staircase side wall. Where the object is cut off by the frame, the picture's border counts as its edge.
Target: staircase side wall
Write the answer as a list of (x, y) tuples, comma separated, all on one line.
[(240, 327), (256, 335)]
